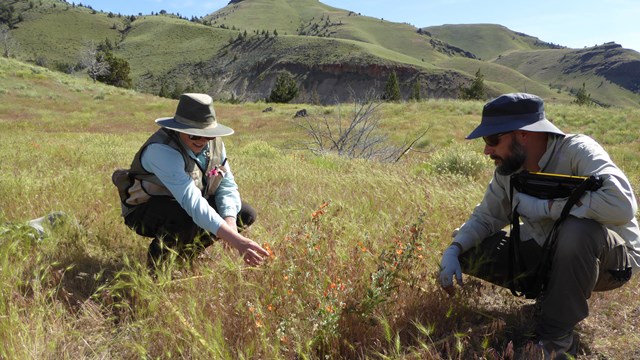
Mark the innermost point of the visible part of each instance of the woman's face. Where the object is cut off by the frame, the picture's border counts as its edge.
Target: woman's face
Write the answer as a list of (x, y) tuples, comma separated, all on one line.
[(194, 143)]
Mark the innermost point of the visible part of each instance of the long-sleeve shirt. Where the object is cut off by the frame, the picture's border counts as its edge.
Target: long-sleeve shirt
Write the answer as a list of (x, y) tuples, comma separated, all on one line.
[(613, 205), (168, 165)]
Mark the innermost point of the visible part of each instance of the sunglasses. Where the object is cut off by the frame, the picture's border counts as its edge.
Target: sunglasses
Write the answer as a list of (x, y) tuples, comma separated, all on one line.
[(493, 140), (196, 137)]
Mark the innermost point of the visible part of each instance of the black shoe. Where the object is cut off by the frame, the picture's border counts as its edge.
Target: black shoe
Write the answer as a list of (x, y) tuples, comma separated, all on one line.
[(559, 348)]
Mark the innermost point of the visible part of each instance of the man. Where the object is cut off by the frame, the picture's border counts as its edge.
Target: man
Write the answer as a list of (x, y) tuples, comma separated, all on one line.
[(180, 190), (597, 245)]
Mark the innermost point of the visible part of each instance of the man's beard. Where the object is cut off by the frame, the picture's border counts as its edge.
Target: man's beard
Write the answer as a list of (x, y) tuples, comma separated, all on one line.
[(513, 162)]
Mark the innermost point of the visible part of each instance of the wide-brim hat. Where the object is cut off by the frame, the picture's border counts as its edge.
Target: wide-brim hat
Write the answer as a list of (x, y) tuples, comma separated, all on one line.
[(195, 116), (510, 112)]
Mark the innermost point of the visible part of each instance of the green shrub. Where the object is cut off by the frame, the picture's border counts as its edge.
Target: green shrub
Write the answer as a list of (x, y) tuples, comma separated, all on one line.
[(458, 160), (260, 149)]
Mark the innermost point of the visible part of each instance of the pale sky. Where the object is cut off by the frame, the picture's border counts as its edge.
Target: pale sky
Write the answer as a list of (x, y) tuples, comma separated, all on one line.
[(571, 23)]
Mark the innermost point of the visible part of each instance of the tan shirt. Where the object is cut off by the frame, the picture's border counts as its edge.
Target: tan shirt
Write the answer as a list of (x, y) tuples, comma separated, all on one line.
[(613, 205)]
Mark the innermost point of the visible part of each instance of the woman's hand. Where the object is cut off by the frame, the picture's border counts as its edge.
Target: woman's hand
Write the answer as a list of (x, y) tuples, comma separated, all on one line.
[(252, 253)]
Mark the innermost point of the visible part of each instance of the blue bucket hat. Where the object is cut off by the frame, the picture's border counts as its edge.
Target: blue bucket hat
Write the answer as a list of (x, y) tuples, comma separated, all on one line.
[(516, 111)]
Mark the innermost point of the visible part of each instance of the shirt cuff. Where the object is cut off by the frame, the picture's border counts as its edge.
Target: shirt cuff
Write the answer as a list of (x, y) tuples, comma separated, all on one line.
[(228, 211), (464, 242)]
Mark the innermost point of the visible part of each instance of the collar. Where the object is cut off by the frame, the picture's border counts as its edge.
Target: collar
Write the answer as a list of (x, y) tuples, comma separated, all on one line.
[(553, 141)]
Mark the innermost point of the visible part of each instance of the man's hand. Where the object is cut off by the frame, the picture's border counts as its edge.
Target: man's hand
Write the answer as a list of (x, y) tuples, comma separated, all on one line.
[(450, 267), (532, 208)]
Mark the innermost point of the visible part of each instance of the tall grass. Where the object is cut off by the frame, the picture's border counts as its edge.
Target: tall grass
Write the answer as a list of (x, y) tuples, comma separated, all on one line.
[(355, 243)]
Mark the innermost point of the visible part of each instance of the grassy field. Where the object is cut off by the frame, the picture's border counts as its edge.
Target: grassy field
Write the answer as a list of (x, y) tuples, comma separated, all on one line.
[(356, 243)]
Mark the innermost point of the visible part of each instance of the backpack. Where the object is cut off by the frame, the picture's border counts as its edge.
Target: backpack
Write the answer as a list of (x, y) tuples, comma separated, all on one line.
[(123, 180)]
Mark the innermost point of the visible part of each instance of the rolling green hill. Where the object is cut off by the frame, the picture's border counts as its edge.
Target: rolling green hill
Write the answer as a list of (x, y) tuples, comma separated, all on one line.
[(312, 18), (55, 33), (238, 52), (608, 71), (487, 41)]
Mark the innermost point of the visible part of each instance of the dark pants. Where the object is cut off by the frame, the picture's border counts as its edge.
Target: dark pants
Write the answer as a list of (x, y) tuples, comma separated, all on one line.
[(586, 258), (163, 219)]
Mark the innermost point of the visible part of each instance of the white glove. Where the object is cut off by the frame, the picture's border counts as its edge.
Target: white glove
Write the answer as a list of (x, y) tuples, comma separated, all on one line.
[(450, 266), (533, 208)]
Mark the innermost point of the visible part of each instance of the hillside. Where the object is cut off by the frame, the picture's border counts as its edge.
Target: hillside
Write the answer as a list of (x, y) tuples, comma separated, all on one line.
[(611, 74), (609, 69), (55, 34), (237, 52), (487, 41), (312, 18)]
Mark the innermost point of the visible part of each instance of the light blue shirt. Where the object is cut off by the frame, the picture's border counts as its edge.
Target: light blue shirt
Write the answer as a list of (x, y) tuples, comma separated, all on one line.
[(168, 165)]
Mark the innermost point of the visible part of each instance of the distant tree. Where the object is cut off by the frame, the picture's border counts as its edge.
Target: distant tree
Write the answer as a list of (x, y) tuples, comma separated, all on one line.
[(582, 97), (177, 91), (315, 97), (107, 45), (415, 92), (119, 71), (285, 89), (476, 90), (8, 15), (94, 61), (7, 41), (164, 91), (41, 61), (392, 88)]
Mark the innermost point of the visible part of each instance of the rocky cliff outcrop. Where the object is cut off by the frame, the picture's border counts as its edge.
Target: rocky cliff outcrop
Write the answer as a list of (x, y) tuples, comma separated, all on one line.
[(610, 61)]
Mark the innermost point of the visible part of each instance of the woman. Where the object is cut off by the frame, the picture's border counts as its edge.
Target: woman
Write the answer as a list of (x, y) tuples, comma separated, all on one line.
[(180, 189)]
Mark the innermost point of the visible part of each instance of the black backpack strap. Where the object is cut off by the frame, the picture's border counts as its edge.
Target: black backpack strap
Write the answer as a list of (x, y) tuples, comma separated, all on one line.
[(514, 284)]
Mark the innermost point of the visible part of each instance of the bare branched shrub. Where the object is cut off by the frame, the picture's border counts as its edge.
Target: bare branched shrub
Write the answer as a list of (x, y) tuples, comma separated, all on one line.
[(354, 134), (92, 60)]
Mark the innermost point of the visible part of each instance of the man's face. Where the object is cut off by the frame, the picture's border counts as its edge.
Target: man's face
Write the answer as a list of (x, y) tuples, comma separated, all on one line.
[(506, 152)]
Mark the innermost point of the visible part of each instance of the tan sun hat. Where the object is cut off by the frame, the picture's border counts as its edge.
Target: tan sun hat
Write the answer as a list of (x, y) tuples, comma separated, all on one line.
[(195, 116)]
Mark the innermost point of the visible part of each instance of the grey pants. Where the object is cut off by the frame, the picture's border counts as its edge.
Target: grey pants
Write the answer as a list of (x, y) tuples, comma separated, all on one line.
[(584, 260)]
